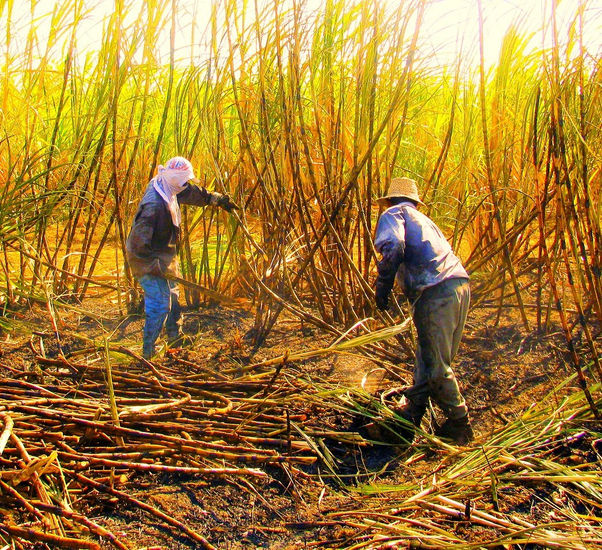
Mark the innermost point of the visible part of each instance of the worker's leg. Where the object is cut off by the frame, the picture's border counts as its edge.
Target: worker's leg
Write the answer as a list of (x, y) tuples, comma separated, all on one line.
[(463, 294), (156, 308), (439, 316), (173, 324), (456, 428)]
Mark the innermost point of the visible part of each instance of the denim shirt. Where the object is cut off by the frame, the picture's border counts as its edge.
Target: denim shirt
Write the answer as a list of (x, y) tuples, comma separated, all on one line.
[(414, 251), (153, 234)]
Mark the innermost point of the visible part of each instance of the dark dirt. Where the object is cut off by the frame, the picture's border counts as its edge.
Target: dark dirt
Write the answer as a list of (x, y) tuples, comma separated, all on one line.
[(501, 370)]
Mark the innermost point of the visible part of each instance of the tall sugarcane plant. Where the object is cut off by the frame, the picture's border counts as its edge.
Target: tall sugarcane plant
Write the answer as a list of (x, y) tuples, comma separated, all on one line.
[(301, 114)]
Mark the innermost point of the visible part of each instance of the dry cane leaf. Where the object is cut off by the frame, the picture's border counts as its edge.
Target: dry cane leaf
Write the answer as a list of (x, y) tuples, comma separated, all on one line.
[(37, 466)]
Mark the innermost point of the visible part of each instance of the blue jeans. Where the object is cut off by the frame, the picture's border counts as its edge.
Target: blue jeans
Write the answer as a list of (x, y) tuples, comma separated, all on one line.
[(161, 307)]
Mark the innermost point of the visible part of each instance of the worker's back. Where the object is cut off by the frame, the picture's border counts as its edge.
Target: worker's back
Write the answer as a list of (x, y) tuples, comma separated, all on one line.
[(426, 256)]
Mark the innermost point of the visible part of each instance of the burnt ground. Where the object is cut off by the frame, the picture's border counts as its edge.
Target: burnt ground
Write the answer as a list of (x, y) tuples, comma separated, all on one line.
[(502, 371)]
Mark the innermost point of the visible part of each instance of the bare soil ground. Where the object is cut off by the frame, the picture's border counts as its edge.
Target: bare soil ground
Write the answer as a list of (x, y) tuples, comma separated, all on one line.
[(501, 369)]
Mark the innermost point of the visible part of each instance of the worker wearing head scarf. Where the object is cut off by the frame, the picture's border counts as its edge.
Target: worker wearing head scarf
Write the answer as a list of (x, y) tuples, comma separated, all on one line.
[(152, 244), (416, 254)]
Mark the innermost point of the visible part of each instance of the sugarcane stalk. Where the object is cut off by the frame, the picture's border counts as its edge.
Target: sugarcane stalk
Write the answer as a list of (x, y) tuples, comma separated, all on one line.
[(55, 540), (6, 432), (37, 484), (111, 390), (496, 210), (212, 294), (92, 526), (197, 537), (358, 167), (27, 505)]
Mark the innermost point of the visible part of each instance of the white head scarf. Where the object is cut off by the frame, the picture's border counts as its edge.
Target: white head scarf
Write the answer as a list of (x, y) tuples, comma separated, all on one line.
[(171, 180)]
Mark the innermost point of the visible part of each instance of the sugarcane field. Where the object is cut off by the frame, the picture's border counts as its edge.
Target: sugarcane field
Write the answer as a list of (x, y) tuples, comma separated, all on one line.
[(297, 274)]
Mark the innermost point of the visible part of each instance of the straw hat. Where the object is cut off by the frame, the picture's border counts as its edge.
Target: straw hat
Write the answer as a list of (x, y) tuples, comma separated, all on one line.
[(402, 187)]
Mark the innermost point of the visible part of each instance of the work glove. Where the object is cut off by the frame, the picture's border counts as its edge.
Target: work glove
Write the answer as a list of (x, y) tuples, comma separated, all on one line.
[(382, 298), (156, 269), (227, 203)]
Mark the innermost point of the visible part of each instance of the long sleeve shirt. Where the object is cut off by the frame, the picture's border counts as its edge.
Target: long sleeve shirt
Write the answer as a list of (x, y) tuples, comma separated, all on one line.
[(414, 251), (153, 235)]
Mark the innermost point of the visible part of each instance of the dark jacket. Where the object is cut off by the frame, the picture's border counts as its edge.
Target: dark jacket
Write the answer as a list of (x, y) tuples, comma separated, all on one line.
[(153, 234)]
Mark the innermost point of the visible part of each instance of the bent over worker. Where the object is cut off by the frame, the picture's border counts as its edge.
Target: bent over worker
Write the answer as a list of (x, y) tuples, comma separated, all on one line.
[(417, 255), (152, 245)]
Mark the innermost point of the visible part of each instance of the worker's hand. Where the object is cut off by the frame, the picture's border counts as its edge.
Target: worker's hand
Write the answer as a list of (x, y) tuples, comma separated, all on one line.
[(227, 203), (382, 299), (156, 269)]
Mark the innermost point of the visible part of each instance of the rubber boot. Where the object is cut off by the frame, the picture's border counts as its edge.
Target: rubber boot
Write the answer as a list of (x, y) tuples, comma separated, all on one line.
[(458, 430), (148, 350), (173, 335), (412, 414)]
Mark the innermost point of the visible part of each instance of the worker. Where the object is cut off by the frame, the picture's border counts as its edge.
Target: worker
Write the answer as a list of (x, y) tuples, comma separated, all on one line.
[(152, 245), (417, 255)]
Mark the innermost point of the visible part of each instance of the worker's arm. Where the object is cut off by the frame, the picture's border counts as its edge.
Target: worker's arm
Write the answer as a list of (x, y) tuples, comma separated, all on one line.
[(199, 196), (390, 243)]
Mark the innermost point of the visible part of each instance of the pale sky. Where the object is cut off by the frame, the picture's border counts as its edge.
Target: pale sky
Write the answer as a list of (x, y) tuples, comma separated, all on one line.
[(447, 24)]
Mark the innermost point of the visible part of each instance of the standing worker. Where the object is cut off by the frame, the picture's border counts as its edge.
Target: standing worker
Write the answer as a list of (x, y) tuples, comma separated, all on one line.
[(152, 245), (415, 252)]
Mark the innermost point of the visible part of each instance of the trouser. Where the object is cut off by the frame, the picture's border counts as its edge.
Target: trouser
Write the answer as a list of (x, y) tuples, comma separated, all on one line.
[(161, 307), (439, 316)]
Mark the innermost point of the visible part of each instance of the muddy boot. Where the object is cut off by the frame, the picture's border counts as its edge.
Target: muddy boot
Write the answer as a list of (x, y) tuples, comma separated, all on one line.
[(413, 414), (458, 430), (148, 350)]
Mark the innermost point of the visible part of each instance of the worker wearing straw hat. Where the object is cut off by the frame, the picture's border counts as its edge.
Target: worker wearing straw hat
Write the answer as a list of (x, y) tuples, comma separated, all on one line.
[(152, 245), (417, 255)]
